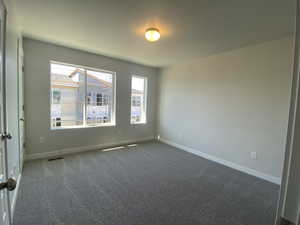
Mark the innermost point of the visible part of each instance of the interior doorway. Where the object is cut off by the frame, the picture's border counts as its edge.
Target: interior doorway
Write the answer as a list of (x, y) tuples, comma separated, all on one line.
[(21, 116)]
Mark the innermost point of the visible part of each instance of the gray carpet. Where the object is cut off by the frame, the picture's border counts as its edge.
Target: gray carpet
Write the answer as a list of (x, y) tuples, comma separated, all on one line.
[(152, 184)]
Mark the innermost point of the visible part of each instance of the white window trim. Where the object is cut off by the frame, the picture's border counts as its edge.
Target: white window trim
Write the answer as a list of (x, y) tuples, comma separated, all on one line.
[(143, 120), (113, 108)]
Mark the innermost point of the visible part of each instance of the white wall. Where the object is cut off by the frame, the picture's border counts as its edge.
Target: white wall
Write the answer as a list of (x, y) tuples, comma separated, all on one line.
[(37, 109), (230, 104), (12, 95)]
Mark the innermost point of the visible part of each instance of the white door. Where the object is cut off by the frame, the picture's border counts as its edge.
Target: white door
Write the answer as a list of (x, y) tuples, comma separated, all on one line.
[(21, 102), (4, 210), (5, 183)]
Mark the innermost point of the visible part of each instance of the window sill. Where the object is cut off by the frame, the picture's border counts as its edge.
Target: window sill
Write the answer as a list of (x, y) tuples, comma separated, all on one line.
[(83, 127), (139, 123)]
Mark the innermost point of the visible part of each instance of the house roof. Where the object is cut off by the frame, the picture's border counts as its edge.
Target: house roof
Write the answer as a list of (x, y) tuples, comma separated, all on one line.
[(67, 81), (79, 71)]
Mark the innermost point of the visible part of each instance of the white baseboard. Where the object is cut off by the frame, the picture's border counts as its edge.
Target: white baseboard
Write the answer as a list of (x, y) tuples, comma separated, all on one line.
[(13, 202), (273, 179), (67, 151)]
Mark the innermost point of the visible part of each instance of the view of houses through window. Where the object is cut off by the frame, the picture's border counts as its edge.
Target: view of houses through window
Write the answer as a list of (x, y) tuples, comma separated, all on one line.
[(138, 99), (81, 96)]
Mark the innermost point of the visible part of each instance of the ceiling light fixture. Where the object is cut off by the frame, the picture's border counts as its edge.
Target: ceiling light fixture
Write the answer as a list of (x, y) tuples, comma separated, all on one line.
[(152, 34)]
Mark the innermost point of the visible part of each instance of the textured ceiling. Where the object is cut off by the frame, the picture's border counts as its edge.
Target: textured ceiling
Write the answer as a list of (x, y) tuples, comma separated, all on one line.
[(189, 29)]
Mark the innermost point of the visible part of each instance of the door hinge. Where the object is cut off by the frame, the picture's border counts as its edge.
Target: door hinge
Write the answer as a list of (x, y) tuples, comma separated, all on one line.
[(23, 68), (24, 144)]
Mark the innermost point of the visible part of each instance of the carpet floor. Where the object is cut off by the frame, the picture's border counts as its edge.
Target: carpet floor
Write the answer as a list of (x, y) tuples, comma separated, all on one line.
[(151, 184)]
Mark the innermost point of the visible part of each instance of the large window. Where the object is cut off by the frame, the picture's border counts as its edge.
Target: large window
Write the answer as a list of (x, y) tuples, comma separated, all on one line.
[(138, 99), (81, 96)]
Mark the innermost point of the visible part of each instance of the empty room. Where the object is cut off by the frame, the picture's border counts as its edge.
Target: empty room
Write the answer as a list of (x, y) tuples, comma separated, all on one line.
[(161, 112)]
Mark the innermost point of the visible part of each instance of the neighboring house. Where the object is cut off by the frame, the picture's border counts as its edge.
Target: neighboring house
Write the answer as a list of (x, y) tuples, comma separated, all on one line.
[(136, 105), (68, 97)]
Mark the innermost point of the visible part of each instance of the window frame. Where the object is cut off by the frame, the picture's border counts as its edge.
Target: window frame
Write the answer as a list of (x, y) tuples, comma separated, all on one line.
[(145, 100), (85, 125)]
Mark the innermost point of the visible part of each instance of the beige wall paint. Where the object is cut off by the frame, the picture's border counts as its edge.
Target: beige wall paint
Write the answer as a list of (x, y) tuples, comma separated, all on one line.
[(37, 84), (230, 104)]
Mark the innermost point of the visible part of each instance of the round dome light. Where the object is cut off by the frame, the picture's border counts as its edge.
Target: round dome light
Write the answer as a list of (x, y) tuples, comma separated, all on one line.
[(152, 34)]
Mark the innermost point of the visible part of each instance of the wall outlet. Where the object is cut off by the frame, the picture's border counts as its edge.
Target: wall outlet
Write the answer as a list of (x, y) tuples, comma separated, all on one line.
[(42, 140), (253, 155)]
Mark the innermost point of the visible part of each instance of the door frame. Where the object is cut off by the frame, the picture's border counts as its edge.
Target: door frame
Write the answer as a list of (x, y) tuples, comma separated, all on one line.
[(294, 108), (20, 63), (3, 10)]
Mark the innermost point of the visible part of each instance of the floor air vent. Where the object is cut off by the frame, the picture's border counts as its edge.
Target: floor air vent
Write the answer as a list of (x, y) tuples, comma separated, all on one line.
[(132, 145), (112, 149), (118, 148), (57, 158)]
